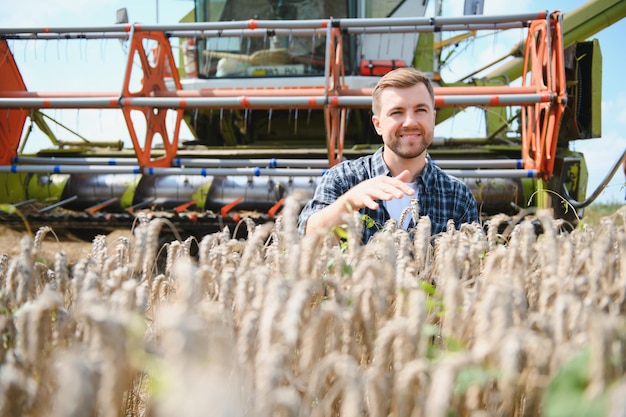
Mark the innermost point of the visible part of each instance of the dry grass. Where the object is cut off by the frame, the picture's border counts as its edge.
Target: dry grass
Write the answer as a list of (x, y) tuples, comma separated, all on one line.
[(596, 212), (468, 323)]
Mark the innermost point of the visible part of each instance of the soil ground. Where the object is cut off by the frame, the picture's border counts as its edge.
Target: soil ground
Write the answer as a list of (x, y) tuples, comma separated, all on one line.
[(74, 249)]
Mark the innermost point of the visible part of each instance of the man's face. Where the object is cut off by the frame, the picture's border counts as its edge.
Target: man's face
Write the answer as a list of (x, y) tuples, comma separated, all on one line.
[(406, 120)]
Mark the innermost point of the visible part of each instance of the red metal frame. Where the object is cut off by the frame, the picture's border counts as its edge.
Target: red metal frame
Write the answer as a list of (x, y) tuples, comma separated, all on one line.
[(11, 120), (543, 58), (153, 82), (334, 116), (543, 74)]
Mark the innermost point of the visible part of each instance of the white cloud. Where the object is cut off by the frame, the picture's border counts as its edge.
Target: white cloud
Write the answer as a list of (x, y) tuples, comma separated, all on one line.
[(614, 113)]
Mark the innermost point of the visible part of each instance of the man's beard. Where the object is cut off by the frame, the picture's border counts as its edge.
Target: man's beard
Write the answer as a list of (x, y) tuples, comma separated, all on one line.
[(398, 147)]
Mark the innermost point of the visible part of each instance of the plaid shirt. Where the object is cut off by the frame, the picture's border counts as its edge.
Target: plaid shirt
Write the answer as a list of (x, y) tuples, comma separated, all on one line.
[(441, 197)]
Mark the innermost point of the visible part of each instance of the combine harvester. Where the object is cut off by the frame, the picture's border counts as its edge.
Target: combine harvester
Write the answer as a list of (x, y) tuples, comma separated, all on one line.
[(275, 97)]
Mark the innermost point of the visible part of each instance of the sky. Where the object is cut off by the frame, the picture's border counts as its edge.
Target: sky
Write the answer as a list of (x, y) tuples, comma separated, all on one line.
[(81, 65)]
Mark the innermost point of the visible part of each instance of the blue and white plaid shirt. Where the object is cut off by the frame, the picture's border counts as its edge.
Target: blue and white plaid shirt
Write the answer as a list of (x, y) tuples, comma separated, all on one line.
[(441, 196)]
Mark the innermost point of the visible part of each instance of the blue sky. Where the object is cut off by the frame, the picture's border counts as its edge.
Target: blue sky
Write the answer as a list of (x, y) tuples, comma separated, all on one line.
[(99, 65)]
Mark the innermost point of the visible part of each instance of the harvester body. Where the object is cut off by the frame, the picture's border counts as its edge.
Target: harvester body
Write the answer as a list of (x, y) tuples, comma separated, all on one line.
[(274, 92)]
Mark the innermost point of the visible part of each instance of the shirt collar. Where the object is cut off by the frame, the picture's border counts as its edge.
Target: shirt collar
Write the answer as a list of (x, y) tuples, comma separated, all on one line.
[(379, 167)]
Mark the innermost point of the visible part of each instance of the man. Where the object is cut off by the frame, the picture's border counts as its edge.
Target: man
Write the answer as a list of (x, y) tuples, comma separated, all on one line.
[(381, 185)]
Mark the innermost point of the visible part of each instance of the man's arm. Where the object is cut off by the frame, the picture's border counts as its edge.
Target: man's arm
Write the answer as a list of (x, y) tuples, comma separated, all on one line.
[(360, 196)]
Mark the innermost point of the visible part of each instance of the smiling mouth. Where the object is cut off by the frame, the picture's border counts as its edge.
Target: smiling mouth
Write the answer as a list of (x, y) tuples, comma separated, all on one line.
[(408, 135)]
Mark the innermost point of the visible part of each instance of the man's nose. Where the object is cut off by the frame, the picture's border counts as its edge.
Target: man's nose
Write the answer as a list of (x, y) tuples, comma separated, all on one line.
[(410, 118)]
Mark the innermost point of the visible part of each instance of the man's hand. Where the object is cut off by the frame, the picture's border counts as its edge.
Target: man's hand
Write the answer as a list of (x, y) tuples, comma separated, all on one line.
[(360, 196), (378, 188)]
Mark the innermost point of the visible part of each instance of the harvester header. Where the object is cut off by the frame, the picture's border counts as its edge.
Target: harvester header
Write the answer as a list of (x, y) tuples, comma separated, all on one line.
[(241, 83)]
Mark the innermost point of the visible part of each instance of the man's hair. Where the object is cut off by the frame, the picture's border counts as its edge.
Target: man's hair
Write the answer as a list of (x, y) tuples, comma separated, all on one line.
[(400, 78)]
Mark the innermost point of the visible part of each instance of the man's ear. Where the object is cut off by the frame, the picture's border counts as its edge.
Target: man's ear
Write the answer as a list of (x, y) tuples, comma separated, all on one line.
[(376, 123)]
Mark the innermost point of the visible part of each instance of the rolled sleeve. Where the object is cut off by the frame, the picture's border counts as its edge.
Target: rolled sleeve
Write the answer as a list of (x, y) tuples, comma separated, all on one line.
[(333, 184)]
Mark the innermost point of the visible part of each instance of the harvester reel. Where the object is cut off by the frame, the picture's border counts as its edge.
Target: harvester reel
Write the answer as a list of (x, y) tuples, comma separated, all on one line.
[(540, 121), (152, 82)]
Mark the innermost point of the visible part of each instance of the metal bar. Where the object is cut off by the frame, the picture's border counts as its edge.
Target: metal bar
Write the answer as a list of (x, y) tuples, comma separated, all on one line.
[(327, 63), (246, 33), (250, 33), (428, 29), (64, 29), (254, 171), (268, 92), (141, 204), (258, 33), (98, 207), (270, 163), (60, 94), (493, 173), (250, 171), (495, 100), (52, 160), (480, 163), (185, 206), (274, 209), (439, 22), (64, 36), (478, 90), (25, 202), (228, 207), (60, 103), (58, 204), (100, 169), (258, 162), (243, 102), (177, 162), (239, 25), (599, 189), (197, 34), (323, 163), (70, 169)]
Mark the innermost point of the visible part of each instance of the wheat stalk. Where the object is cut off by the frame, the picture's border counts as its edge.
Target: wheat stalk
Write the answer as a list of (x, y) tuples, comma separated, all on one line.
[(279, 324)]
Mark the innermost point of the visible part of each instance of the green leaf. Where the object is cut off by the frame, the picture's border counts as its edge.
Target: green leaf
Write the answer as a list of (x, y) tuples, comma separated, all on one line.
[(430, 330), (427, 287), (470, 376), (8, 208), (369, 222), (566, 397), (340, 232)]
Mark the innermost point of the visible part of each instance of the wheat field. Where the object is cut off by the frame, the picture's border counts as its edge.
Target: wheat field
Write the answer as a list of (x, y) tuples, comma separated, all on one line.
[(498, 320)]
